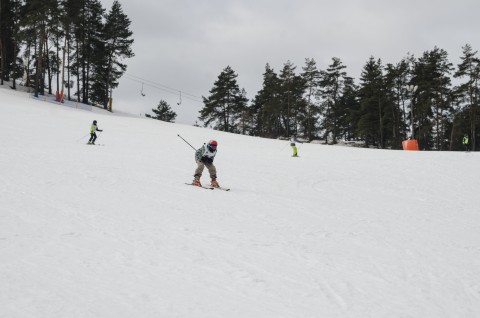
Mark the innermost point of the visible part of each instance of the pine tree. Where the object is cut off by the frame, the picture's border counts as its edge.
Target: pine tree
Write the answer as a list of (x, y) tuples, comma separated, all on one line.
[(117, 40), (431, 74), (244, 114), (163, 112), (265, 106), (53, 34), (225, 104), (3, 37), (348, 109), (371, 98), (38, 14), (395, 81), (332, 83), (309, 115), (291, 91), (88, 28), (470, 90), (6, 39), (397, 78), (10, 15), (71, 21)]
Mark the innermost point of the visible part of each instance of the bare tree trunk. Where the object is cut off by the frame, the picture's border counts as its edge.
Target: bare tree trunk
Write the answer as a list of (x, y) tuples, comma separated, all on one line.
[(105, 105), (452, 134), (78, 75), (39, 62), (28, 81), (63, 67), (326, 123), (437, 126), (14, 77), (58, 64), (474, 126), (381, 123), (2, 60), (475, 102), (68, 64), (48, 68)]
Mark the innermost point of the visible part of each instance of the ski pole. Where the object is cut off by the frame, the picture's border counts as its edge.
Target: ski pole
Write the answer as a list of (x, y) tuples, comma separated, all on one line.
[(284, 146), (82, 137), (187, 142)]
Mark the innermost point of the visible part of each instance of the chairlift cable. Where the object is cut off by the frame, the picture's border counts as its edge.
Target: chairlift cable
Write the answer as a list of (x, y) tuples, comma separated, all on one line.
[(163, 87)]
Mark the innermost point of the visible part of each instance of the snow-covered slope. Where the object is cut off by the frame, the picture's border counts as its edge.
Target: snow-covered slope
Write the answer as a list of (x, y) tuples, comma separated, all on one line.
[(113, 231)]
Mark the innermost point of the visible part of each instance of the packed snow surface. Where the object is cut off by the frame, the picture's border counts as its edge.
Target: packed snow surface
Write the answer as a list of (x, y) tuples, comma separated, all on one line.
[(113, 231)]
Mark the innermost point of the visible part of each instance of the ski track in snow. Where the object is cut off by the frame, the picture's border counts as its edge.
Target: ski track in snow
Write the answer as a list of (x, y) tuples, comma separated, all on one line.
[(339, 232)]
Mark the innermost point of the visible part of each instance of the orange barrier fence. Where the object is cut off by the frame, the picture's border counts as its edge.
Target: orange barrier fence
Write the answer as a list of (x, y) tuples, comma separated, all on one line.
[(411, 144)]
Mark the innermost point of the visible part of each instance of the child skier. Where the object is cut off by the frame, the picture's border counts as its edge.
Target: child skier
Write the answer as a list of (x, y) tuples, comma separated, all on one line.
[(93, 135), (466, 143), (294, 140), (204, 158)]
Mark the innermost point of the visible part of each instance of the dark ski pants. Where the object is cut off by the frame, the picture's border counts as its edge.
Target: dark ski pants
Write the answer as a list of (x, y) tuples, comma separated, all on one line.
[(211, 169), (93, 137)]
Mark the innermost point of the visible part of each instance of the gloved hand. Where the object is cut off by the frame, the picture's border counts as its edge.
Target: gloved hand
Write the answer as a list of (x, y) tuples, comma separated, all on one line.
[(207, 160)]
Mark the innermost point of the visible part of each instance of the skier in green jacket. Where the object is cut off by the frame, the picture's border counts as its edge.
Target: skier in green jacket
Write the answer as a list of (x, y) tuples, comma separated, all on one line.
[(93, 135), (293, 142), (466, 142)]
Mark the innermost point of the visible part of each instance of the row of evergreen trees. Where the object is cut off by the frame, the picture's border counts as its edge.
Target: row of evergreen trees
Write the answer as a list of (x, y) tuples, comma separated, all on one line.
[(75, 38), (330, 105)]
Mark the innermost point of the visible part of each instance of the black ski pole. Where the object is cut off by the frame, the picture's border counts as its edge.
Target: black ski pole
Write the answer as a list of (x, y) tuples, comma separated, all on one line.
[(83, 137), (187, 142), (285, 146)]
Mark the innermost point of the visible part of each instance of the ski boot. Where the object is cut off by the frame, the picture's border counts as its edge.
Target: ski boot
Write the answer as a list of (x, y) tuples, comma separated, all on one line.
[(214, 183), (196, 182)]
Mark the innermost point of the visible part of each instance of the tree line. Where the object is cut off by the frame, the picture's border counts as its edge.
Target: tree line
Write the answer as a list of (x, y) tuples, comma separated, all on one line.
[(62, 40), (389, 103)]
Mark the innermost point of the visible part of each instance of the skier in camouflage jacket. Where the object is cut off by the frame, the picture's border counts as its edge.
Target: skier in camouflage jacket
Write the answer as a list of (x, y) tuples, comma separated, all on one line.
[(204, 158)]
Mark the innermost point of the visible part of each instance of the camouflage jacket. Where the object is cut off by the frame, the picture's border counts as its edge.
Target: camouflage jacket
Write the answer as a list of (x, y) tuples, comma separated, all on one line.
[(204, 154)]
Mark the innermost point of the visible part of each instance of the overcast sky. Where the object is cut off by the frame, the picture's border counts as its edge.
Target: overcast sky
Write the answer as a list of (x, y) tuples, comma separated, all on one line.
[(185, 44)]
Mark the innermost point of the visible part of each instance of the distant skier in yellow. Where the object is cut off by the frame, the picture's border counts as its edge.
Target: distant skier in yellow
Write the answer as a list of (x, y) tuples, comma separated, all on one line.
[(93, 135), (466, 143), (293, 142)]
